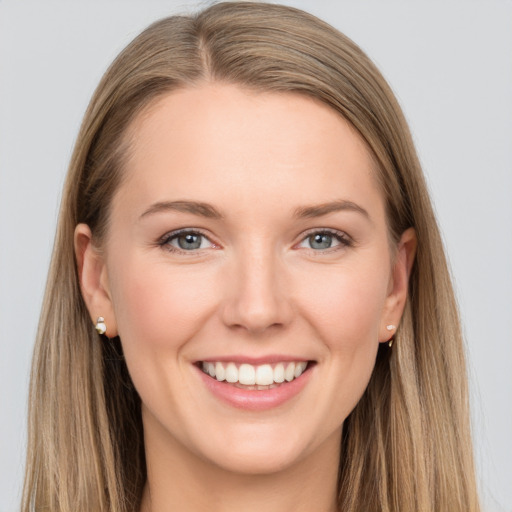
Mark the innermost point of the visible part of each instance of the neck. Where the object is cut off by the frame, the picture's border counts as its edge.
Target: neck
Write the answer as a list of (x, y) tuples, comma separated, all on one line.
[(179, 480)]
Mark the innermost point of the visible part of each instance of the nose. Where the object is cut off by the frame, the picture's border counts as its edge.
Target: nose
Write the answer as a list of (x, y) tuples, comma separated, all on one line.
[(258, 296)]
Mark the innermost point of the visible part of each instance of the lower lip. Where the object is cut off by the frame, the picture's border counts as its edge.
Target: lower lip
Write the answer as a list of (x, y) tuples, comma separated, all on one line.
[(256, 400)]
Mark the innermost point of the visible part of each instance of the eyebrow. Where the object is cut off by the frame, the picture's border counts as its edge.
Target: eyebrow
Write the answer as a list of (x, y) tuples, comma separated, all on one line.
[(208, 211), (194, 207), (326, 208)]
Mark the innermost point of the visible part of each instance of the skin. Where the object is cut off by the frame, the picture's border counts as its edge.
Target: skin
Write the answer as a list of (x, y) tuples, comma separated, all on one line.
[(255, 288)]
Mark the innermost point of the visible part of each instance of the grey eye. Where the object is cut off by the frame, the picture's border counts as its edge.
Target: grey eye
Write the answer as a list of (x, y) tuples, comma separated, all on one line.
[(320, 241), (189, 241), (185, 241)]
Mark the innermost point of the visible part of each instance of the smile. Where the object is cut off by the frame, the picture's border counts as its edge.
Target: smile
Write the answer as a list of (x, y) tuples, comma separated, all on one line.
[(255, 387), (264, 376)]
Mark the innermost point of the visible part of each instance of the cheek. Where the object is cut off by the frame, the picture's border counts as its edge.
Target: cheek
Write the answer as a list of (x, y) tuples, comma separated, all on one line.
[(346, 315), (347, 308), (158, 307)]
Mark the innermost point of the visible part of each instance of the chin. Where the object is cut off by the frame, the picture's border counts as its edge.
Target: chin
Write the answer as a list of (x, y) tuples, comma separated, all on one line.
[(258, 450), (258, 462)]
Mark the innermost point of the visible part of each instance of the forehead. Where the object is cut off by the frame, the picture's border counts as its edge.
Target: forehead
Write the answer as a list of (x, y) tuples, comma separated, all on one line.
[(221, 141)]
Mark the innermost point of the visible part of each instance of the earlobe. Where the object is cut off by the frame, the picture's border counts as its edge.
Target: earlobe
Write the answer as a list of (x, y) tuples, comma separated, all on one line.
[(399, 284), (92, 273)]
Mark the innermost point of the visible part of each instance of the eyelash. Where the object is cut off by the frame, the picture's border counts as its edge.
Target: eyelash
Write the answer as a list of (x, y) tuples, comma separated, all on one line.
[(343, 239), (165, 241)]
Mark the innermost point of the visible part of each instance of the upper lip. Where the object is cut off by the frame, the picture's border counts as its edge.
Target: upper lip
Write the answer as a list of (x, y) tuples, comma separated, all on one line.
[(268, 359)]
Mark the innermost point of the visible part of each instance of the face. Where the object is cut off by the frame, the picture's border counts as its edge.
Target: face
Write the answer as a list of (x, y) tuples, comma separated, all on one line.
[(248, 273)]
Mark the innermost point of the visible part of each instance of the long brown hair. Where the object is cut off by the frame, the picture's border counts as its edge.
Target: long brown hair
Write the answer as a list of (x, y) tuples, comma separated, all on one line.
[(406, 444)]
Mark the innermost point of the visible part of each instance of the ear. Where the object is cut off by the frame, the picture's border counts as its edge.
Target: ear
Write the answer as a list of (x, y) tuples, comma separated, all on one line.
[(398, 285), (94, 285)]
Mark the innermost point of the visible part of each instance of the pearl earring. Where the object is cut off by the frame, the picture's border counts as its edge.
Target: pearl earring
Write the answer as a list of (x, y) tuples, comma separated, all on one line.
[(100, 326), (391, 327)]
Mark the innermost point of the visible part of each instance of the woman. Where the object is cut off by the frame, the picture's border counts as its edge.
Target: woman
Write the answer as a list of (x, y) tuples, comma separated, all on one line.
[(248, 304)]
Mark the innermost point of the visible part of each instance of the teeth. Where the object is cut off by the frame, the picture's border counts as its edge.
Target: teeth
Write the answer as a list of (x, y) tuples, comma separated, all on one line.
[(279, 373), (289, 373), (220, 372), (299, 368), (264, 375), (248, 375), (232, 373)]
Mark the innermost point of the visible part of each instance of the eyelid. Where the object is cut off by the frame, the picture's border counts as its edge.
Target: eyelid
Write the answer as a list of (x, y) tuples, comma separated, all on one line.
[(164, 241), (344, 239)]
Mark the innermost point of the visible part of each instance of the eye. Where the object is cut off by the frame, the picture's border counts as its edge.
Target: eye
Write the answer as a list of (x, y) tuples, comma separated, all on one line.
[(185, 241), (324, 240)]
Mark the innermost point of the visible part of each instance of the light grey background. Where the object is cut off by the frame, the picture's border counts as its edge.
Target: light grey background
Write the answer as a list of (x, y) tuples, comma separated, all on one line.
[(450, 64)]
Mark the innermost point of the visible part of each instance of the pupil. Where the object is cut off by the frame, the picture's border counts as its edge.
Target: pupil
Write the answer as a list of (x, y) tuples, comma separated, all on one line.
[(189, 241), (321, 241)]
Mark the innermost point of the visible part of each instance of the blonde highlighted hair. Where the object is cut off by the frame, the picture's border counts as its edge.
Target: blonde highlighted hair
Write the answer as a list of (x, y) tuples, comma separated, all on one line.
[(406, 444)]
